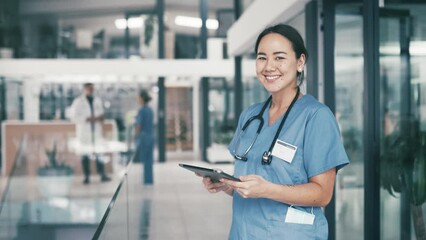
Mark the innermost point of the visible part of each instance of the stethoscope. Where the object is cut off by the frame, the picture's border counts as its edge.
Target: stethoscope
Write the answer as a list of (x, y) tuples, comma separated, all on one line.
[(267, 155)]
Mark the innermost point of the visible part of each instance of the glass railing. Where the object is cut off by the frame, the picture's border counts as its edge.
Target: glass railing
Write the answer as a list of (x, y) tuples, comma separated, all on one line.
[(46, 199), (122, 211), (176, 206), (9, 212)]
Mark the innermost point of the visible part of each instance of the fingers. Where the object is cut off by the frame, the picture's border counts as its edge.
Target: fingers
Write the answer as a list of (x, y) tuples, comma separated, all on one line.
[(250, 178), (243, 193), (233, 184), (214, 187), (250, 185)]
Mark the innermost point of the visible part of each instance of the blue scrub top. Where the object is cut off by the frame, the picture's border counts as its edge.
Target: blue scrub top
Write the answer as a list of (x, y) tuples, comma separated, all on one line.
[(311, 127), (145, 120)]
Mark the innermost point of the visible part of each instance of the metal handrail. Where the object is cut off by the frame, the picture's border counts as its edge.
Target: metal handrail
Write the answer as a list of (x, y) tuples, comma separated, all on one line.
[(112, 203), (113, 200)]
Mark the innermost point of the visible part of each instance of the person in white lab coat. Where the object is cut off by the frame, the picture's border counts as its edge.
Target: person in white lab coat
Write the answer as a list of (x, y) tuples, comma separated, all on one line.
[(88, 114)]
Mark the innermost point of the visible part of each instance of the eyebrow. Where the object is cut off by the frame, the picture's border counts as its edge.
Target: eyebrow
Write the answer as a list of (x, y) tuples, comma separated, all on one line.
[(275, 53)]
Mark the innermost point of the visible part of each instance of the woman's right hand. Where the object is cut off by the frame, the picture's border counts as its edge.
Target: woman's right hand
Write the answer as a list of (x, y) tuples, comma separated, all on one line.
[(215, 187)]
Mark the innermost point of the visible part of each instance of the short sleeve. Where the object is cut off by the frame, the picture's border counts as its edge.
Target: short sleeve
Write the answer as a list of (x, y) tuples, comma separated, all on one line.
[(323, 148)]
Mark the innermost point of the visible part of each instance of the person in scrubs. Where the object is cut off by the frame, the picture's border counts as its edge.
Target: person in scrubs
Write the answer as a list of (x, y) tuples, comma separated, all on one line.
[(144, 132), (287, 150)]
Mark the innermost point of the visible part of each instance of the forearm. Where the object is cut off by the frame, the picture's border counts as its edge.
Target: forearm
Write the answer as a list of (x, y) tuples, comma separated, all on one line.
[(309, 194), (100, 118), (137, 130)]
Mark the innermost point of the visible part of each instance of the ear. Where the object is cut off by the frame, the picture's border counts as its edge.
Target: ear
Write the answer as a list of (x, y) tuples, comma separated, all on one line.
[(301, 62)]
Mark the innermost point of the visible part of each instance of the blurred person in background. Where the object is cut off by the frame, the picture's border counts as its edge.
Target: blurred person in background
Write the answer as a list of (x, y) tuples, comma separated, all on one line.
[(144, 136), (88, 114)]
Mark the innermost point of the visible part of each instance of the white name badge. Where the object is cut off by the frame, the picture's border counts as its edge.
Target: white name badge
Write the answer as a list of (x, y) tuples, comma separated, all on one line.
[(297, 216), (284, 151)]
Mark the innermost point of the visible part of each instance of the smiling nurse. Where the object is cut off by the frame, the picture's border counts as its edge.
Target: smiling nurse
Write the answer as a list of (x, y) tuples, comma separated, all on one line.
[(287, 150)]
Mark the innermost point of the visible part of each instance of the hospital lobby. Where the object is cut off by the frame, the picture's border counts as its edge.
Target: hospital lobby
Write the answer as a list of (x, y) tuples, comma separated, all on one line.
[(196, 61)]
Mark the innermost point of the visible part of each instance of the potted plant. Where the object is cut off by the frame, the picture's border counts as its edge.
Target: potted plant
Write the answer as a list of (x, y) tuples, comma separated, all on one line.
[(403, 169), (55, 179)]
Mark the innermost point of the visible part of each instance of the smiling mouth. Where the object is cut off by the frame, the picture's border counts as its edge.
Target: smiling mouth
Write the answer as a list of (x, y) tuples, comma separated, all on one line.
[(272, 78)]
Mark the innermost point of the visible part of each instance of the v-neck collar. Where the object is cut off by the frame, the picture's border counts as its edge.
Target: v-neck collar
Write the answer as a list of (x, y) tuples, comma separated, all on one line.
[(266, 114)]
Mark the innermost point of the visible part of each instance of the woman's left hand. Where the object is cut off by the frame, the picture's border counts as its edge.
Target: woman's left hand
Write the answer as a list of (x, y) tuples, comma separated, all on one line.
[(251, 186)]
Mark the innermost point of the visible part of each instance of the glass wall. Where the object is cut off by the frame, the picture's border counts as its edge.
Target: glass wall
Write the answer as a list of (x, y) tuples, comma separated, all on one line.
[(221, 118), (349, 113), (402, 111)]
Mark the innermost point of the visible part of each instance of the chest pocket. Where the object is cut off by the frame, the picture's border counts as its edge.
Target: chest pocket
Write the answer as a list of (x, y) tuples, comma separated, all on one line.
[(282, 172)]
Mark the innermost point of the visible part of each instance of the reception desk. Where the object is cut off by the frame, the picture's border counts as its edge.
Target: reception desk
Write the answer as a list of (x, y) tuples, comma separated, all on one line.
[(42, 137)]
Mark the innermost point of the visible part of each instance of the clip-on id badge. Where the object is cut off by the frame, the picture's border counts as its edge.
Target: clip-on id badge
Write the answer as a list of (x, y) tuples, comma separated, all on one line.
[(301, 217), (284, 151)]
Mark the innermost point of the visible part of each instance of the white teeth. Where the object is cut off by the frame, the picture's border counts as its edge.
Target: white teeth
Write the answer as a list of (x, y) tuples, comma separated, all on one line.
[(271, 78)]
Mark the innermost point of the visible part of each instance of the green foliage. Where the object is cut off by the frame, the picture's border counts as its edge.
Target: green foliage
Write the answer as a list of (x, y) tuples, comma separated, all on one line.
[(352, 140), (51, 155), (54, 168), (223, 137), (403, 163), (149, 29)]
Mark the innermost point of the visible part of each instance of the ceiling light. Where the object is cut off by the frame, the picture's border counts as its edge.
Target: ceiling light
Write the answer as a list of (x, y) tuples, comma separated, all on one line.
[(120, 23), (212, 24), (195, 22), (134, 22)]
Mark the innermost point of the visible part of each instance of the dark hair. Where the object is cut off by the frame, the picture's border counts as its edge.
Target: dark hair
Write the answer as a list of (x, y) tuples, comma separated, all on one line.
[(145, 96), (87, 84), (288, 32)]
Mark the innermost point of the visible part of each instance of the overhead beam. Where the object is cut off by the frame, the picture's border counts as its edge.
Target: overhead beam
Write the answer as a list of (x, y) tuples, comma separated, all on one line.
[(163, 67), (261, 13)]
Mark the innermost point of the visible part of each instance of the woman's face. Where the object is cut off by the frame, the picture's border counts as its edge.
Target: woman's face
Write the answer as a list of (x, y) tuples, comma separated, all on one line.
[(276, 63)]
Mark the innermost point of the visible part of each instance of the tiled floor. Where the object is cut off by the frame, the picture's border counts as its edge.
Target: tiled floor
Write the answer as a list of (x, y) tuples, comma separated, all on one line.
[(175, 207)]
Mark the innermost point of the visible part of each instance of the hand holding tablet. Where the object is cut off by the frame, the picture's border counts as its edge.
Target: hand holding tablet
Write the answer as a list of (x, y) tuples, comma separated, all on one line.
[(213, 174)]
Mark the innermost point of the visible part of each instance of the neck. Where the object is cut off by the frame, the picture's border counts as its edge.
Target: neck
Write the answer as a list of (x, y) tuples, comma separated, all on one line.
[(283, 99)]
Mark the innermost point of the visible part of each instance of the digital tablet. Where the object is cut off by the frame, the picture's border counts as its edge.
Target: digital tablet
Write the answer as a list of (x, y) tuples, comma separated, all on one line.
[(214, 174)]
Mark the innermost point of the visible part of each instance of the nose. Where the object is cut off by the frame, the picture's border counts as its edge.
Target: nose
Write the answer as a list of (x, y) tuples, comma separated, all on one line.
[(270, 65)]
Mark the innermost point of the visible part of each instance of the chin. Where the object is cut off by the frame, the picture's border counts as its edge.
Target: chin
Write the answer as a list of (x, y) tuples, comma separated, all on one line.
[(272, 89)]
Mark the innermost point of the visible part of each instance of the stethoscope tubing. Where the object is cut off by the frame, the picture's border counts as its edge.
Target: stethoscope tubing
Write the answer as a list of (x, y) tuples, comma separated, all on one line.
[(259, 117), (267, 155)]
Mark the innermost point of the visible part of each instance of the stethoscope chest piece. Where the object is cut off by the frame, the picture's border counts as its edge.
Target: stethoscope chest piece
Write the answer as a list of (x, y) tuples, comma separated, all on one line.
[(266, 158)]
